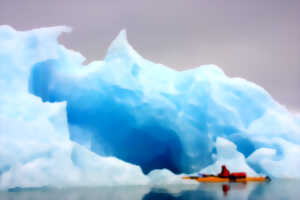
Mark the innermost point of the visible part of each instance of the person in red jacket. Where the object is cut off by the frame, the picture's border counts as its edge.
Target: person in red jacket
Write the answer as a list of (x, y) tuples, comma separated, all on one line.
[(224, 173)]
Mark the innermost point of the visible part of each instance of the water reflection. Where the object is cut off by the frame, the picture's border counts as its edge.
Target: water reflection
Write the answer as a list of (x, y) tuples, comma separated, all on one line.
[(277, 189), (225, 188), (205, 191)]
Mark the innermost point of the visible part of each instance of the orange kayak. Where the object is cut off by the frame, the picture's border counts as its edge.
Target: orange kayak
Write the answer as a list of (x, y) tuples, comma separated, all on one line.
[(216, 179)]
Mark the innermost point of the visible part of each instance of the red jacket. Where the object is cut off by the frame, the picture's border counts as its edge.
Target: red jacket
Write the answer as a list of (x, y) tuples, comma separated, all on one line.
[(225, 172)]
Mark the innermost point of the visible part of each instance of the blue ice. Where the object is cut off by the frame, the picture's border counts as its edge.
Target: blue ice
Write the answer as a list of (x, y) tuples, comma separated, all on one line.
[(156, 117)]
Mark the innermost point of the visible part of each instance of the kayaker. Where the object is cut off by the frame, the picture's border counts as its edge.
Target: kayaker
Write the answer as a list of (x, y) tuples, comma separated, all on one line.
[(224, 173)]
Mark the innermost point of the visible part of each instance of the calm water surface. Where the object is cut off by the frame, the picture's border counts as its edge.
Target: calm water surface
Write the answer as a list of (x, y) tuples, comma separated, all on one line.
[(277, 189)]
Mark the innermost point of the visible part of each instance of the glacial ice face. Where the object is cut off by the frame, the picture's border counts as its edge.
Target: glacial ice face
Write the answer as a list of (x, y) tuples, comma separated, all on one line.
[(130, 108), (155, 117), (35, 149)]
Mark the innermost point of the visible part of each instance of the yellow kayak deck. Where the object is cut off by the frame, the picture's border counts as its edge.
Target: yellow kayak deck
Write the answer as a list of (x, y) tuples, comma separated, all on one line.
[(215, 179)]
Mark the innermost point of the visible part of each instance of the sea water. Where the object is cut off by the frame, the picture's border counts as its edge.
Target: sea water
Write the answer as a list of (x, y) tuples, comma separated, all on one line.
[(276, 189)]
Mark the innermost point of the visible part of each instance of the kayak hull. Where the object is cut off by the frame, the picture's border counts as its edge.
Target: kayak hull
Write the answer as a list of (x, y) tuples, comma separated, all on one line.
[(215, 179)]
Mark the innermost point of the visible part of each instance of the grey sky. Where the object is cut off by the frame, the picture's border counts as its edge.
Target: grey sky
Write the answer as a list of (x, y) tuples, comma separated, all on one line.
[(255, 39)]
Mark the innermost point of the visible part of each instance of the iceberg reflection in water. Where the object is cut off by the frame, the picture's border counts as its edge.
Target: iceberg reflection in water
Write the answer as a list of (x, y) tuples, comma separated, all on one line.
[(277, 189)]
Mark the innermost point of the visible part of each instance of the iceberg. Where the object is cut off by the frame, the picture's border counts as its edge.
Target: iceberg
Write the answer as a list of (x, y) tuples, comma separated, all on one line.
[(125, 116)]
